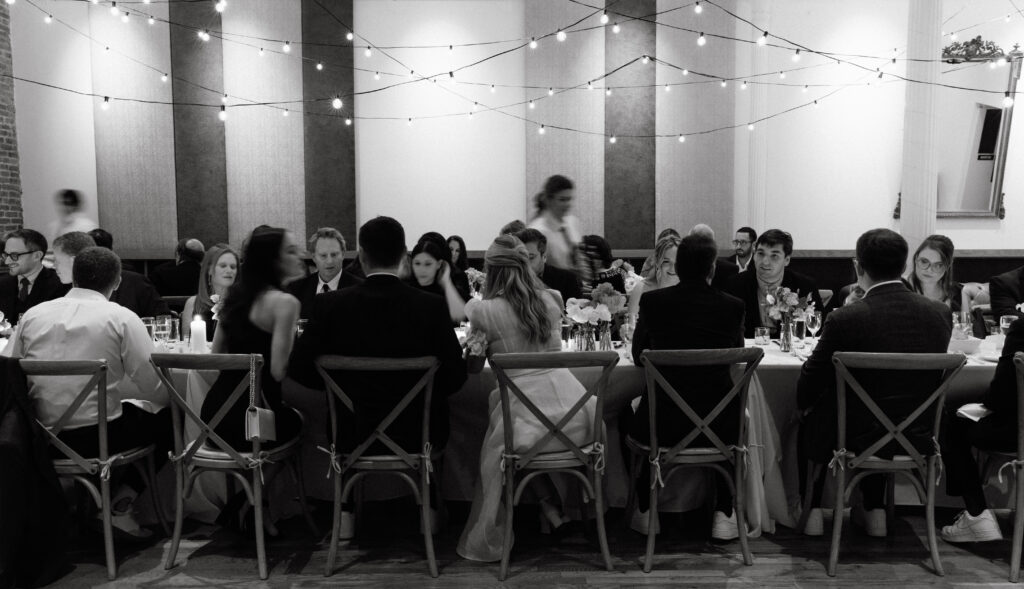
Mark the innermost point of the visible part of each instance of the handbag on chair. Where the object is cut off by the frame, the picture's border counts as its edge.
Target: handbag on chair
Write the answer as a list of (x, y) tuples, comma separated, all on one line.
[(260, 423)]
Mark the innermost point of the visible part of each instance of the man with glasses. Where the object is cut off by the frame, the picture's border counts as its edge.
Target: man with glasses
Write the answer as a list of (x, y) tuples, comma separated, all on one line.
[(28, 283), (744, 244)]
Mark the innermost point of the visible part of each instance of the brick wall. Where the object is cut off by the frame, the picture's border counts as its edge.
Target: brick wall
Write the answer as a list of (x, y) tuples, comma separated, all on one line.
[(10, 175)]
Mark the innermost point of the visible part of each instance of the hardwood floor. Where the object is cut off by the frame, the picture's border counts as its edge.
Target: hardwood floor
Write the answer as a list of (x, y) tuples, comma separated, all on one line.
[(389, 553)]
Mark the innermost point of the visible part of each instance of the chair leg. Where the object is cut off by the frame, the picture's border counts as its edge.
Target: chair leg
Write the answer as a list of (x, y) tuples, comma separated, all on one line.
[(296, 468), (929, 511), (506, 544), (428, 537), (332, 550), (179, 511), (261, 549), (154, 494), (634, 472), (739, 498), (814, 471), (1018, 524), (890, 499), (602, 536), (108, 533), (837, 520), (652, 516)]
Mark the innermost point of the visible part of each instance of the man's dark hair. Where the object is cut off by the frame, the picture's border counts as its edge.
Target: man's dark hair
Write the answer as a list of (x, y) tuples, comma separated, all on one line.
[(882, 254), (776, 237), (595, 245), (696, 256), (103, 238), (382, 242), (33, 239), (73, 243), (512, 227), (70, 198), (96, 268), (748, 231), (531, 235)]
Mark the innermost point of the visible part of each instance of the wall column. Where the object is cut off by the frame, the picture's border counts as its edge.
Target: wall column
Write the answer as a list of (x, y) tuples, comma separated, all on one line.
[(10, 170)]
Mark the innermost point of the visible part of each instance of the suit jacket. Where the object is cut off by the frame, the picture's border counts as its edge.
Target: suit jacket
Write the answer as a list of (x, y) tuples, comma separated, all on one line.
[(1007, 291), (176, 280), (691, 315), (566, 282), (305, 289), (744, 286), (889, 319), (46, 288), (138, 294), (385, 318), (1001, 396), (724, 270)]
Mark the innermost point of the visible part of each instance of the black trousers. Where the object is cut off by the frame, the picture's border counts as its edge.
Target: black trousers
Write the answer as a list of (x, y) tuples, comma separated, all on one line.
[(959, 436)]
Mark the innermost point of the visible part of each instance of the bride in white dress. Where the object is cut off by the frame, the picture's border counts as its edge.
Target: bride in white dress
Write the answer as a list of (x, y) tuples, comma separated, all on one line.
[(518, 314)]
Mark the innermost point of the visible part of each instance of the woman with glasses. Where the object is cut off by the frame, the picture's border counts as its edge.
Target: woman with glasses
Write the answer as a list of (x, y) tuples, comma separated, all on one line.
[(932, 275)]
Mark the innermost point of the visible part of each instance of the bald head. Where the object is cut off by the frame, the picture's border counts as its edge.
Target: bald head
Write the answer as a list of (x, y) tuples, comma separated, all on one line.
[(190, 249), (703, 230)]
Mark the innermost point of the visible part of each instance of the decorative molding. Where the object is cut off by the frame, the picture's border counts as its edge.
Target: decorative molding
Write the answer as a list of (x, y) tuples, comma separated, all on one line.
[(977, 49)]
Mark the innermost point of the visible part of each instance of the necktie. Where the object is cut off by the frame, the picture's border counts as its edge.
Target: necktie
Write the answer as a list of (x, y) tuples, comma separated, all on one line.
[(325, 288), (23, 292)]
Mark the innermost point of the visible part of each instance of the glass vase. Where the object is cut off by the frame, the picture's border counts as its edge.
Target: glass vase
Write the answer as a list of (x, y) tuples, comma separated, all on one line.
[(786, 334), (605, 339), (585, 338)]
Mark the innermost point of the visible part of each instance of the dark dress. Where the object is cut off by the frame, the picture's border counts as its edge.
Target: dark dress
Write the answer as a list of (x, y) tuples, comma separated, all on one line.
[(246, 338)]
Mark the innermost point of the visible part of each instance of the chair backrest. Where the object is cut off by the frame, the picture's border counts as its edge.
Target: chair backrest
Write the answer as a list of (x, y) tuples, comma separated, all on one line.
[(182, 412), (424, 386), (176, 303), (948, 364), (1018, 361), (653, 360), (501, 363), (97, 371)]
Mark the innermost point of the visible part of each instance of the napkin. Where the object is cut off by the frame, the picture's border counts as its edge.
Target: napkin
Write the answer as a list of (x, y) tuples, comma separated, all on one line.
[(973, 411)]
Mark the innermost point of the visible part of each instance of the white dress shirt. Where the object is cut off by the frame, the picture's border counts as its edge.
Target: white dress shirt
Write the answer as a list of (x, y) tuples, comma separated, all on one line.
[(332, 284), (563, 237), (84, 325)]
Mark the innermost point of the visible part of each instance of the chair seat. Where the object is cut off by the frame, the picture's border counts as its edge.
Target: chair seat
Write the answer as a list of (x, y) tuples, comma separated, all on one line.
[(66, 466), (558, 459), (210, 457), (388, 461), (687, 455), (900, 461)]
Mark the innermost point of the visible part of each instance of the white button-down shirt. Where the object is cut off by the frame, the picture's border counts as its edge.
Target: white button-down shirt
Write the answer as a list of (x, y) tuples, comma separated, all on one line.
[(84, 325), (562, 239), (333, 284)]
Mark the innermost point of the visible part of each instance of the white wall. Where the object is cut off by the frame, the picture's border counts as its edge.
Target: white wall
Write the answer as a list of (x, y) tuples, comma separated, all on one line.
[(452, 175)]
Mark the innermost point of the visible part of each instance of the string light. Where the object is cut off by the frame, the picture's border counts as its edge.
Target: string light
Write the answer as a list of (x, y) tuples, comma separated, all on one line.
[(796, 56), (533, 42), (204, 35), (1007, 18), (698, 8), (750, 127), (349, 36), (348, 122), (646, 60), (287, 47), (409, 122), (879, 75), (744, 85), (477, 105), (493, 89), (224, 99), (541, 130), (805, 88), (106, 103), (952, 36), (590, 85), (1001, 61), (815, 104), (219, 6), (612, 140), (991, 65), (724, 83), (686, 72), (782, 75), (336, 103), (124, 17), (48, 19), (701, 40), (608, 92), (319, 66), (284, 113), (604, 17), (668, 88), (551, 91), (368, 52), (532, 105), (682, 138), (163, 78), (763, 39), (261, 52), (1007, 100), (560, 35), (151, 21), (223, 114), (376, 75), (616, 28), (113, 9), (451, 75)]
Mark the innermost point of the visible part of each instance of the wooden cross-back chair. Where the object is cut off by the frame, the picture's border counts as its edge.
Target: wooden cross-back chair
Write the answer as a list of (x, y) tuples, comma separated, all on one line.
[(666, 461), (920, 468), (572, 458), (211, 453), (352, 466), (90, 470)]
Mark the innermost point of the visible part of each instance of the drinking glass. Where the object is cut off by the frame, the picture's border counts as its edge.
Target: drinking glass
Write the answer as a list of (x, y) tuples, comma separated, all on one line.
[(626, 331), (148, 322), (174, 334), (1004, 323), (762, 336), (814, 323), (162, 328), (798, 331)]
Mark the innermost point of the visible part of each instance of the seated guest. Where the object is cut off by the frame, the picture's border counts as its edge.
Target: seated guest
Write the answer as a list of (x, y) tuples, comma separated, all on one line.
[(599, 256), (566, 282), (432, 273), (650, 260), (65, 248), (383, 317), (27, 283), (744, 244), (659, 275), (724, 269), (217, 274), (1007, 293), (690, 315), (136, 292), (772, 253), (932, 274), (328, 248), (512, 227), (460, 257), (890, 319), (517, 314), (996, 430), (180, 277), (458, 276), (84, 324)]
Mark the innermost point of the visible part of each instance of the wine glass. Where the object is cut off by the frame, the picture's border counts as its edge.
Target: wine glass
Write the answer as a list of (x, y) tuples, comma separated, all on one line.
[(813, 323)]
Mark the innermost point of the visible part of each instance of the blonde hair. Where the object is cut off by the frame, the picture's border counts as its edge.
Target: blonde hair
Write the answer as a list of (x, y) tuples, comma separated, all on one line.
[(509, 277)]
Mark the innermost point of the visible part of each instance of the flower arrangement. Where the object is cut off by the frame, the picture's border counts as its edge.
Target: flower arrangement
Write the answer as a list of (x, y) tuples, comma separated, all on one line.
[(605, 294), (586, 312), (476, 280), (783, 303), (1020, 307), (218, 305)]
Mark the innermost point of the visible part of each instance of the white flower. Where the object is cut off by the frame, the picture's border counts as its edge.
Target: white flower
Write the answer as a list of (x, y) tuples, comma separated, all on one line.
[(1020, 307), (601, 313), (770, 299)]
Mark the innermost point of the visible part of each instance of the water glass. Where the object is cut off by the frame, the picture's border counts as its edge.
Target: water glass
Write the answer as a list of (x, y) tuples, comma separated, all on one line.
[(162, 328), (1004, 323), (762, 336), (798, 331), (566, 334), (148, 322), (174, 335)]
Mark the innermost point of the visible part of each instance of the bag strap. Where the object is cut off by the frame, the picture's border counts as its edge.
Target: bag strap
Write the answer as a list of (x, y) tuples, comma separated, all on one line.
[(252, 381)]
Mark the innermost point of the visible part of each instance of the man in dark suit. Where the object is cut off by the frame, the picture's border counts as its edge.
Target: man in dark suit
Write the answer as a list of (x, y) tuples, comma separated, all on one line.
[(566, 282), (180, 278), (27, 283), (135, 292), (771, 256), (1007, 291), (328, 248), (744, 244), (724, 269), (691, 315), (890, 319)]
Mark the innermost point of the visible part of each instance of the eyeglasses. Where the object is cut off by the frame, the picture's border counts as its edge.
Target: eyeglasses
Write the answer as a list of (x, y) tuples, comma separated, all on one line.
[(15, 256), (923, 264), (740, 242)]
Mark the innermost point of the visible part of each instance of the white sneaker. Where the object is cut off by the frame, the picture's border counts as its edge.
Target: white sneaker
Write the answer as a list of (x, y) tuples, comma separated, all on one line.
[(724, 528), (815, 525), (968, 528), (347, 529), (871, 520), (639, 522)]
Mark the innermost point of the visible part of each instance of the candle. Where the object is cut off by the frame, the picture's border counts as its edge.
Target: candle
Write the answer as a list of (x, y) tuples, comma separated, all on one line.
[(197, 343)]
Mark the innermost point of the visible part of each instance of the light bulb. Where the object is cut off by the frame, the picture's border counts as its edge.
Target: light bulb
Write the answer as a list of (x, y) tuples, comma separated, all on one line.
[(163, 78), (223, 114), (952, 36), (541, 130), (763, 39), (349, 36), (646, 60), (533, 42), (701, 40), (608, 92), (261, 52), (590, 85), (319, 66), (879, 75), (724, 84), (48, 19), (220, 6), (348, 122), (750, 127), (409, 122), (493, 89), (368, 52), (1007, 100), (698, 8), (477, 105), (551, 91), (805, 87), (376, 75), (287, 47), (612, 139), (124, 17), (1007, 18), (561, 35), (744, 85), (668, 88), (151, 21), (796, 56), (604, 17), (1001, 61), (616, 28), (451, 48), (682, 139), (106, 103), (782, 75), (815, 104), (224, 99), (336, 103), (284, 112), (532, 105), (686, 72), (95, 1), (113, 8)]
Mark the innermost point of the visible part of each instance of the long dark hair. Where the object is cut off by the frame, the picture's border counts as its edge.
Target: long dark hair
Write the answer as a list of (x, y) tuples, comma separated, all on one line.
[(261, 270), (944, 246), (462, 263), (552, 186)]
